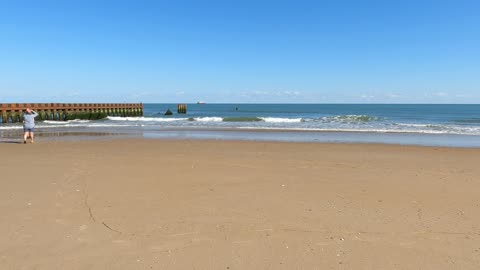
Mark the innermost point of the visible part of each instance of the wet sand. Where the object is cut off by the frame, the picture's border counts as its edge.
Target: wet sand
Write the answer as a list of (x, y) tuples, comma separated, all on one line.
[(164, 204)]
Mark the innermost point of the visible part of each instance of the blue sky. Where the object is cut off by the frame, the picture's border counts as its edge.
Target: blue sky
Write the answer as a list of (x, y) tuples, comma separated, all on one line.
[(240, 51)]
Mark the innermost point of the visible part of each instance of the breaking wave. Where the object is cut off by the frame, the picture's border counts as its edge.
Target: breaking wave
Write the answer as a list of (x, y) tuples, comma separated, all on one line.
[(350, 118), (145, 119), (344, 123)]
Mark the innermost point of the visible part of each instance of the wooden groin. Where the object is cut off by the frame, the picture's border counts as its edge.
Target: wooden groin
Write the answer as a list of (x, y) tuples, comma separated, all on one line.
[(13, 112)]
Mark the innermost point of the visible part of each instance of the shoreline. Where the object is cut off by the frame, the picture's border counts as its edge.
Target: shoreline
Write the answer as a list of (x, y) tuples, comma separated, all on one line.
[(242, 134), (11, 127), (101, 138)]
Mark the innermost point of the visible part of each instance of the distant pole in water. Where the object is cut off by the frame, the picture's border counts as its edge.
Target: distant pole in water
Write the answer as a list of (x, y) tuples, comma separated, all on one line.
[(236, 108)]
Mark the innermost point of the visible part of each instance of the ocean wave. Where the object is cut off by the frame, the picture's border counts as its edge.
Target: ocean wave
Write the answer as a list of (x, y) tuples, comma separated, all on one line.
[(246, 119), (281, 120), (344, 123), (41, 126), (93, 125), (410, 125), (438, 127), (242, 119), (475, 132), (326, 119), (403, 128), (10, 127), (350, 118), (467, 121), (208, 119), (66, 122), (145, 119)]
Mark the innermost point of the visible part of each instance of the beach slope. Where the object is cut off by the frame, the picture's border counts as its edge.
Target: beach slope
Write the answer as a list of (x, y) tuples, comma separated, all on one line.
[(165, 204)]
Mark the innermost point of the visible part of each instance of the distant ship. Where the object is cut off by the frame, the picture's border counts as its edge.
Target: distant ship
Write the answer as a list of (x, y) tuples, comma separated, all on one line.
[(200, 102)]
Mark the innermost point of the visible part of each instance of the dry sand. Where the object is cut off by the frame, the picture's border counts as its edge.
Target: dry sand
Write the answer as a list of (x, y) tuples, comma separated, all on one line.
[(153, 204)]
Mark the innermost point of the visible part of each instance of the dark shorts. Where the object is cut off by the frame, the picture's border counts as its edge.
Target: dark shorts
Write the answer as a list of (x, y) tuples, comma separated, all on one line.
[(28, 129)]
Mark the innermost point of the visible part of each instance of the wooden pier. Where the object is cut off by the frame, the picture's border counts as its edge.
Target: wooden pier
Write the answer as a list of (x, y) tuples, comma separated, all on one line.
[(13, 113)]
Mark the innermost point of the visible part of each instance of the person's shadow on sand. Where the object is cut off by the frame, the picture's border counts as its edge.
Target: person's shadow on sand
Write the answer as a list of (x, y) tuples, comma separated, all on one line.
[(13, 142)]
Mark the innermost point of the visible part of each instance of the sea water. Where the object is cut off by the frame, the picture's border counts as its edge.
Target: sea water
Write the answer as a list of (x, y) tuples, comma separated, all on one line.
[(447, 125)]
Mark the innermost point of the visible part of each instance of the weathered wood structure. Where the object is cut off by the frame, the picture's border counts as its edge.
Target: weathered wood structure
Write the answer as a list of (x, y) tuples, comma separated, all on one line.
[(12, 113), (182, 108)]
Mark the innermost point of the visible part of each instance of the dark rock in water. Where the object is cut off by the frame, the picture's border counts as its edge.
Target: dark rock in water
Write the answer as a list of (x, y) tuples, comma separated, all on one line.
[(168, 112)]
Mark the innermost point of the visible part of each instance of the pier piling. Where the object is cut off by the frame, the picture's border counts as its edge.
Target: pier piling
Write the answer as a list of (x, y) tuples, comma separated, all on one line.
[(182, 108)]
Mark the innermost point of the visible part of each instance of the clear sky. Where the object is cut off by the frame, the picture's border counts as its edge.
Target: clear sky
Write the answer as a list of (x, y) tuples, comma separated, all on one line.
[(334, 51)]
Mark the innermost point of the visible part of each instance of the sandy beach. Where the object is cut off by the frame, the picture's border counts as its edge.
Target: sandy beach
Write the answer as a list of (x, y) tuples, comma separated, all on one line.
[(192, 204)]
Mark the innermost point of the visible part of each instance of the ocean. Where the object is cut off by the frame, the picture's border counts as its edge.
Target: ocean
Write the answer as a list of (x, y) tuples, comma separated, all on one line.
[(442, 125)]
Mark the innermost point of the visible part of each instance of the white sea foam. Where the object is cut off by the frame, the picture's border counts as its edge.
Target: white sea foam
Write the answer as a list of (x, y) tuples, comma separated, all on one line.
[(350, 118), (339, 123), (66, 122), (412, 125), (144, 119), (10, 127), (112, 125), (469, 131), (281, 120), (67, 125), (208, 119)]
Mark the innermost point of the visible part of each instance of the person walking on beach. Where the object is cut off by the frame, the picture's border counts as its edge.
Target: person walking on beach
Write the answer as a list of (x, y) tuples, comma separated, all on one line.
[(28, 124)]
